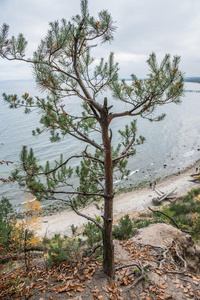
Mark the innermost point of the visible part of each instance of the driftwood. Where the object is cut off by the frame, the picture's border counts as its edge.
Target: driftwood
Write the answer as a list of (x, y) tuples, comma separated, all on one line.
[(196, 178), (163, 197), (196, 174)]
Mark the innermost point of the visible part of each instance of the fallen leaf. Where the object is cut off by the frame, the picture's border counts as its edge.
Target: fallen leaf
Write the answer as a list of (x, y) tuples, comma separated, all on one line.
[(161, 286)]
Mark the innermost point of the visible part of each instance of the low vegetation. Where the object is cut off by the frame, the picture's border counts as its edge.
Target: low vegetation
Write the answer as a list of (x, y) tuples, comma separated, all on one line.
[(184, 213)]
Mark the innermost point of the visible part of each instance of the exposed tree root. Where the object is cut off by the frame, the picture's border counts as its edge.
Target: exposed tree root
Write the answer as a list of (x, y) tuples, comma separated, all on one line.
[(137, 280), (91, 251), (163, 254)]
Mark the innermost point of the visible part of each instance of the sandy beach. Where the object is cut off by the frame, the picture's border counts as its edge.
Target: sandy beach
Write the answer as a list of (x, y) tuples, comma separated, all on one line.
[(126, 203)]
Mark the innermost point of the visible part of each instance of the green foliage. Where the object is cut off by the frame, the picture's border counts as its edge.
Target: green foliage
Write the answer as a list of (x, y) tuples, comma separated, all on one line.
[(93, 233), (74, 229), (141, 223), (125, 229), (179, 208), (62, 249), (6, 223)]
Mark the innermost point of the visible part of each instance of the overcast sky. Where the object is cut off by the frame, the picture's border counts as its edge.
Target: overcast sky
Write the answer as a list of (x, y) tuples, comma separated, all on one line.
[(143, 26)]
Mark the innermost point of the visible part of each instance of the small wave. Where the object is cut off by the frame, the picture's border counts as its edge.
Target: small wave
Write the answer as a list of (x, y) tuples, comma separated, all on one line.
[(117, 181), (133, 172), (23, 203), (188, 154)]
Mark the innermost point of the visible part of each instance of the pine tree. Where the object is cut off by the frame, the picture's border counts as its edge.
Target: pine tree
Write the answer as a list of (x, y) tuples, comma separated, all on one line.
[(64, 67)]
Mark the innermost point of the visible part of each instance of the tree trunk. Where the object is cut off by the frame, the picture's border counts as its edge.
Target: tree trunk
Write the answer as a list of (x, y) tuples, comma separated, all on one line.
[(108, 247)]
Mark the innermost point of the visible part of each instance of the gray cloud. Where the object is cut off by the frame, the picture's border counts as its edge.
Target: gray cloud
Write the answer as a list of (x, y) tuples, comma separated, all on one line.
[(142, 27)]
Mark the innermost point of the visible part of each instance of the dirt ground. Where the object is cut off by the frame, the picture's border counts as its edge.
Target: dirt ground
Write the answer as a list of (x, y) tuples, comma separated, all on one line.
[(161, 263)]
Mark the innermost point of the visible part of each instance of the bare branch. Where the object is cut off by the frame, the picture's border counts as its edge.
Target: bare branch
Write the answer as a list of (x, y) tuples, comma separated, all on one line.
[(85, 216), (91, 251)]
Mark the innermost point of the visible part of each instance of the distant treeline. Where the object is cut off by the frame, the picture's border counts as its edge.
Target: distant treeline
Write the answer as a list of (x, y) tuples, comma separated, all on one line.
[(186, 79), (192, 79)]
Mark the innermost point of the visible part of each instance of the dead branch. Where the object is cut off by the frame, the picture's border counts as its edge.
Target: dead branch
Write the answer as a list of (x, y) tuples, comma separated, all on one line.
[(196, 179), (91, 251), (196, 174), (85, 216), (36, 248), (174, 222)]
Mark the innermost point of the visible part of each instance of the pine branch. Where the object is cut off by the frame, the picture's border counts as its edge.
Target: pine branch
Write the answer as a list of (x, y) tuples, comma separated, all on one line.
[(117, 159), (67, 160)]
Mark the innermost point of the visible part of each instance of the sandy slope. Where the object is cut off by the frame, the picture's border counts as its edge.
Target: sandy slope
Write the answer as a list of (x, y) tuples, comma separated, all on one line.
[(136, 200)]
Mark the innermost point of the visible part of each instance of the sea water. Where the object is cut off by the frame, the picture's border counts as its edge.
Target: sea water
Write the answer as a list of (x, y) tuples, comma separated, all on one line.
[(171, 145)]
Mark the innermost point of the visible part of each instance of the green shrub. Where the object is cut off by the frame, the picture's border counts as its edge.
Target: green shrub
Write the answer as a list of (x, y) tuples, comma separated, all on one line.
[(74, 229), (186, 199), (196, 192), (125, 229), (144, 223), (179, 208), (196, 207), (62, 249), (184, 220)]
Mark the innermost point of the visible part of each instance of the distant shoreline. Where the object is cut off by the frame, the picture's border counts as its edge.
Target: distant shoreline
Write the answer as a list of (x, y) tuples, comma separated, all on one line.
[(61, 206), (193, 79)]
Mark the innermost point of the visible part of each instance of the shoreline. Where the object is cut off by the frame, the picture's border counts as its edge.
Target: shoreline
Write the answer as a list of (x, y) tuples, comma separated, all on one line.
[(124, 203)]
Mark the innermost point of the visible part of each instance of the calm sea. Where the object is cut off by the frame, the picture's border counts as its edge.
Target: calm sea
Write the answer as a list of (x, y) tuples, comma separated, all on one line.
[(171, 145)]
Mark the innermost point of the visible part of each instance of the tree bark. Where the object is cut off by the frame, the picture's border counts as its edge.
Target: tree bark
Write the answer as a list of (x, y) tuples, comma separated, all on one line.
[(108, 246)]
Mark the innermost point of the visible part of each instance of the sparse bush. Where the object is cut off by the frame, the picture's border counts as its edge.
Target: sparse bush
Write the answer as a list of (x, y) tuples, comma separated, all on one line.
[(74, 229)]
